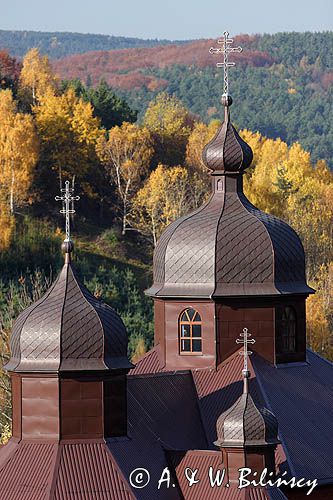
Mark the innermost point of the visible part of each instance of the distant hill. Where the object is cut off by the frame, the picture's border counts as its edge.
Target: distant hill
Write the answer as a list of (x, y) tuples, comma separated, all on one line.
[(58, 44), (282, 85)]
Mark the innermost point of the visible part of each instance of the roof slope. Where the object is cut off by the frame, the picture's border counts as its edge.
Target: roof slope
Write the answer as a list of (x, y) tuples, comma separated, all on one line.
[(163, 415), (41, 471), (203, 461), (301, 397)]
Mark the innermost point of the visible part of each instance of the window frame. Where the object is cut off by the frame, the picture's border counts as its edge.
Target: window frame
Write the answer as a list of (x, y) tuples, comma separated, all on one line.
[(190, 338)]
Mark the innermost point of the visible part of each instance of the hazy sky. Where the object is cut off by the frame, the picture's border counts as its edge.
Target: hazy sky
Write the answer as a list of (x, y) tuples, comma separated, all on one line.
[(173, 19)]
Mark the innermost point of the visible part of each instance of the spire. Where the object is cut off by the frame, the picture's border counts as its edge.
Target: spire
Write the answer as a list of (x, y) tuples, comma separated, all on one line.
[(226, 153), (67, 210), (245, 340)]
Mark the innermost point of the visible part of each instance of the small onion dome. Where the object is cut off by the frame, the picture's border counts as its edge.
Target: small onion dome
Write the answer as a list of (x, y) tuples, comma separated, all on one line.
[(227, 152), (244, 424), (68, 329)]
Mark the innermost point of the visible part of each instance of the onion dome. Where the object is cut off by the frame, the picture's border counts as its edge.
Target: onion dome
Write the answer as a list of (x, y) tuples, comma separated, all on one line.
[(245, 424), (68, 329), (227, 152), (228, 247)]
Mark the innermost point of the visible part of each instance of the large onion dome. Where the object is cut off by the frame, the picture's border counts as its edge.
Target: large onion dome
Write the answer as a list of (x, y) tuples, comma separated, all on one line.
[(228, 247), (68, 329)]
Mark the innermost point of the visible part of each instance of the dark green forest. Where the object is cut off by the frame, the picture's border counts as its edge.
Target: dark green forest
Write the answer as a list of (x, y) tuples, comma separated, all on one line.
[(59, 44), (290, 99)]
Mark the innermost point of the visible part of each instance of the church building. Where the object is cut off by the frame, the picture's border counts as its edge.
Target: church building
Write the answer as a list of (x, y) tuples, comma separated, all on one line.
[(88, 424)]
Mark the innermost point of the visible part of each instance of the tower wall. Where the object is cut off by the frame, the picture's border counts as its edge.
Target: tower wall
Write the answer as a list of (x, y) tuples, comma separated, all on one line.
[(167, 316)]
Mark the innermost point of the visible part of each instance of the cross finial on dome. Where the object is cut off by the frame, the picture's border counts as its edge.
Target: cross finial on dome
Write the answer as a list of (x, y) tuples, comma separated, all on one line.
[(226, 48), (67, 199), (245, 340)]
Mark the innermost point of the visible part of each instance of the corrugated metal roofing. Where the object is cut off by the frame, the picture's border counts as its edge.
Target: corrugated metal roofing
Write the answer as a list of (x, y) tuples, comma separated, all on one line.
[(149, 363), (163, 414), (88, 471), (28, 472), (301, 397)]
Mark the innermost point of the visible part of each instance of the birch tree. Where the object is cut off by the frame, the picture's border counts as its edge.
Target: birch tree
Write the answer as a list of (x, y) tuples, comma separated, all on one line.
[(126, 156), (18, 153)]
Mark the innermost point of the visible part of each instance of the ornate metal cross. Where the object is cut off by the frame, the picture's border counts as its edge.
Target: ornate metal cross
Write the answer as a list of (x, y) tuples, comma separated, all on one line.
[(67, 199), (245, 340), (226, 48)]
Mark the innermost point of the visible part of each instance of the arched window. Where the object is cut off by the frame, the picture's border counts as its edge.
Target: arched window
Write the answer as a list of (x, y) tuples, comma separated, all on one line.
[(190, 332), (287, 330)]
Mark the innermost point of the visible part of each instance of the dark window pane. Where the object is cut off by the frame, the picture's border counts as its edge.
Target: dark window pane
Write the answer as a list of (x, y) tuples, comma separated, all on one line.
[(287, 330), (190, 313), (196, 345), (185, 330), (198, 317), (196, 330), (184, 317), (185, 345)]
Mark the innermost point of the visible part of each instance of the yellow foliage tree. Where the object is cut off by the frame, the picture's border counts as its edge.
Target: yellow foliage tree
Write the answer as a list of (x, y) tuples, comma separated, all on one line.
[(140, 349), (162, 199), (126, 156), (18, 153), (170, 124), (320, 313), (68, 133), (7, 225), (37, 77)]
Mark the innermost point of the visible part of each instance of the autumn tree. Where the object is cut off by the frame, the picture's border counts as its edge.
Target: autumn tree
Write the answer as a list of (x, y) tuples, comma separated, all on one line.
[(162, 199), (9, 71), (68, 133), (319, 308), (200, 184), (126, 155), (170, 124), (37, 77), (18, 153)]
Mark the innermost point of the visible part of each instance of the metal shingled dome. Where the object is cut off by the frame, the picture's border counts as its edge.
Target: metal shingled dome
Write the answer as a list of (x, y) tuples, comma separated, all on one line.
[(244, 424), (68, 329)]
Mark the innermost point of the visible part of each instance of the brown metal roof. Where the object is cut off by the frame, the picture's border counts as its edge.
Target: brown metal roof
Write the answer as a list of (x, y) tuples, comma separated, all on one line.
[(88, 470), (68, 330), (27, 473), (163, 414), (41, 471), (170, 412), (301, 397), (149, 363)]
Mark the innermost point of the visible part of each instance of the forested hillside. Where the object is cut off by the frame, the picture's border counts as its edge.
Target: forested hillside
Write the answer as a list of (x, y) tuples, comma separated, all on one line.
[(60, 44), (282, 85)]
